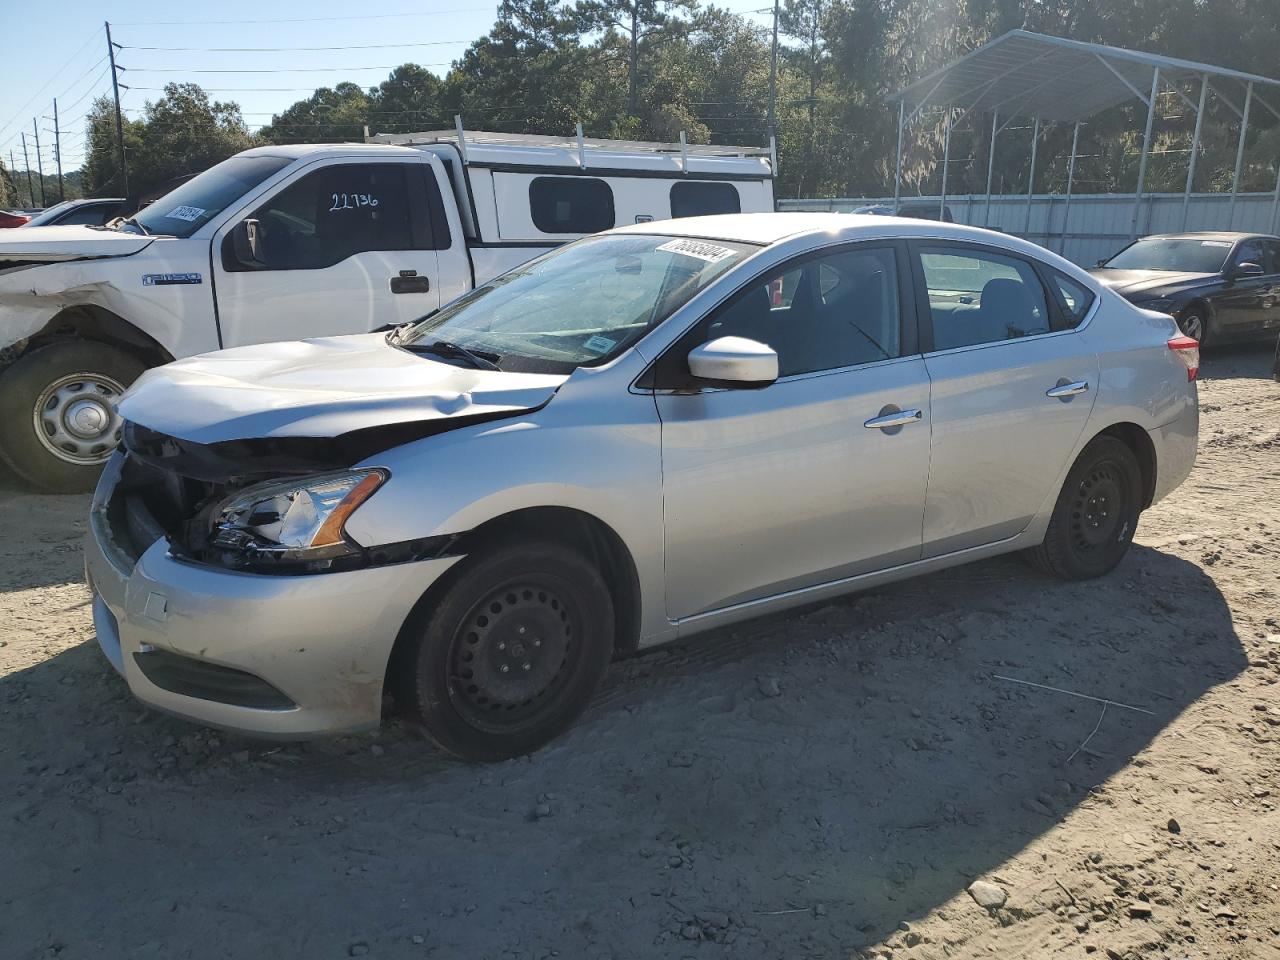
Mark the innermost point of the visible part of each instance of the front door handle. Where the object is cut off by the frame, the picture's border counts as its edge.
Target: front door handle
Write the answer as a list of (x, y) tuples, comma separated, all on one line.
[(897, 418), (1066, 389), (410, 282)]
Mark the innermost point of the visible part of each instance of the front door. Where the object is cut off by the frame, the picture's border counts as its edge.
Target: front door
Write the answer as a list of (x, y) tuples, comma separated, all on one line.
[(776, 489), (1013, 385), (345, 248)]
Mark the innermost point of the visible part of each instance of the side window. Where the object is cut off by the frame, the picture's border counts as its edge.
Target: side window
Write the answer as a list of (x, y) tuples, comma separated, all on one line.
[(571, 204), (334, 213), (976, 296), (1272, 248), (95, 215), (828, 312), (1250, 251), (699, 198), (1076, 299)]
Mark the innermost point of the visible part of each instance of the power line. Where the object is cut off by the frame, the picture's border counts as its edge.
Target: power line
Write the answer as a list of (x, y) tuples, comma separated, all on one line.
[(276, 69), (42, 89), (372, 16), (366, 46)]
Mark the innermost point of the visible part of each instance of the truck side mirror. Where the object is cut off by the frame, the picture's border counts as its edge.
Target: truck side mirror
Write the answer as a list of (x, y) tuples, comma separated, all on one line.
[(246, 245)]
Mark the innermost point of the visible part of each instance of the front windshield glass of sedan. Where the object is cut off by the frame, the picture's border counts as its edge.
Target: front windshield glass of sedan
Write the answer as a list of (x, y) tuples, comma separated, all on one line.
[(578, 306), (185, 209), (1172, 256)]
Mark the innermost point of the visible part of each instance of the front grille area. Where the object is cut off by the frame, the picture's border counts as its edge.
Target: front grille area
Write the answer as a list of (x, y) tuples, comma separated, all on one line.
[(209, 681)]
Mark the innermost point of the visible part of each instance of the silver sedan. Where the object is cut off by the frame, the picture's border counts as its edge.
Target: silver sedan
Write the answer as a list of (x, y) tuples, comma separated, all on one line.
[(642, 435)]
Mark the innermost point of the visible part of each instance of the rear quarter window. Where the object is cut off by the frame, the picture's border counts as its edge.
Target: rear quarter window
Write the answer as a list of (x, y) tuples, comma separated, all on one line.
[(1075, 299)]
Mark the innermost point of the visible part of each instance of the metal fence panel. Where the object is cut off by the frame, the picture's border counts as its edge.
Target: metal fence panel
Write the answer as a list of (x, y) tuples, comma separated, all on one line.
[(1096, 225)]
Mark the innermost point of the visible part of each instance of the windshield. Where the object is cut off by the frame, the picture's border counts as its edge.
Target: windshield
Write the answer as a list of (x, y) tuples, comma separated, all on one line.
[(183, 211), (578, 306), (1172, 256)]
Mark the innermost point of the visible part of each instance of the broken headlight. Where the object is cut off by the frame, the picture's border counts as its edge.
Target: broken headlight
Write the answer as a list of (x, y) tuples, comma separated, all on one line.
[(291, 521)]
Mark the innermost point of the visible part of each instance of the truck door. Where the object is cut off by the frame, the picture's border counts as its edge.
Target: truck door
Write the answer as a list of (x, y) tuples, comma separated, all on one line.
[(345, 247)]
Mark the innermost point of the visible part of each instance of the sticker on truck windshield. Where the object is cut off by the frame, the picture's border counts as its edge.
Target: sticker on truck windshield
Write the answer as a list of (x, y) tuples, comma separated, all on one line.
[(170, 279), (710, 252), (189, 214), (599, 344)]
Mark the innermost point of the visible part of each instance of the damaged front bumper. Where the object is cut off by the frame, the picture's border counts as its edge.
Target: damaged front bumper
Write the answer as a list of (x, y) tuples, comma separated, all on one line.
[(271, 655)]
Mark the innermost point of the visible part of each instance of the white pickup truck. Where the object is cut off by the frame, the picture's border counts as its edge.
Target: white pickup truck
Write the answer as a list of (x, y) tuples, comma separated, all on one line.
[(287, 242)]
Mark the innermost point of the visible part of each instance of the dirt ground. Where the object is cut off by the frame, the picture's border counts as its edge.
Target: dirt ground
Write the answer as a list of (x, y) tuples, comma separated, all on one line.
[(826, 784)]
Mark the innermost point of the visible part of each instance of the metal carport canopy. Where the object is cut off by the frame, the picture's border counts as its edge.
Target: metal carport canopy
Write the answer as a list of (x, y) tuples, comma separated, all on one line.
[(1055, 80)]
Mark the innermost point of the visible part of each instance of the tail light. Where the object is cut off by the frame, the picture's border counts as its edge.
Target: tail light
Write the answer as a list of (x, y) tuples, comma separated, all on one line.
[(1188, 351)]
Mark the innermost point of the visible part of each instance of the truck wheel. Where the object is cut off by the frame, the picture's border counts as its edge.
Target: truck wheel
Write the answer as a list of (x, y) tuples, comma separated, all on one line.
[(511, 651), (58, 419)]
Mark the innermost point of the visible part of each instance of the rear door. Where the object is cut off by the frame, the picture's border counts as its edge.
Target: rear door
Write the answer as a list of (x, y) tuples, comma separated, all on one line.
[(780, 488), (1013, 385), (348, 246)]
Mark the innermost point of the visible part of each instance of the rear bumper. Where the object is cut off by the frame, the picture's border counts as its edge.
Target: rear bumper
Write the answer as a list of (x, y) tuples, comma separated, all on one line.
[(1175, 443), (286, 657)]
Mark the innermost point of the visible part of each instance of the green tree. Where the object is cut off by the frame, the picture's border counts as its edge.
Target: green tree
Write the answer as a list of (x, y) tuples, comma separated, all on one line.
[(337, 113)]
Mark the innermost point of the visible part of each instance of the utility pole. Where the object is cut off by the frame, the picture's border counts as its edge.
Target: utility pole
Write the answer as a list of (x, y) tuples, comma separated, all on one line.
[(115, 87), (773, 74), (39, 161), (26, 163), (57, 150)]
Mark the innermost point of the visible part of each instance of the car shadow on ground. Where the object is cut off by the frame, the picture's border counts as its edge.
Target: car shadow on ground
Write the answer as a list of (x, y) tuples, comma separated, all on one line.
[(795, 786)]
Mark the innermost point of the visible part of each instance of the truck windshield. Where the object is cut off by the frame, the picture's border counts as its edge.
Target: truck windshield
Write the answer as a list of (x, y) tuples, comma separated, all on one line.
[(1172, 256), (184, 210), (578, 306)]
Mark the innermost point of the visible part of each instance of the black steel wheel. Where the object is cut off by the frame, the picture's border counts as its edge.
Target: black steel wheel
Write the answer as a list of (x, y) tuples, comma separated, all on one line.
[(1096, 513), (511, 651)]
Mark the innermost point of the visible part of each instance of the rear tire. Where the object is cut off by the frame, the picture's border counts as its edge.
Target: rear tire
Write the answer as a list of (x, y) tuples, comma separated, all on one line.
[(58, 423), (511, 652), (1096, 514)]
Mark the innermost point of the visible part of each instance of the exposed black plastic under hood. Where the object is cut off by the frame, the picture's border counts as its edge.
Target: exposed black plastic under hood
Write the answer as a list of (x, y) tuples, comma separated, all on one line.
[(236, 462)]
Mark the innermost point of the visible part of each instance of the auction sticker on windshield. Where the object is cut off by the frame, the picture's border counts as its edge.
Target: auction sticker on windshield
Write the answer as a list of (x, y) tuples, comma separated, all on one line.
[(190, 214), (710, 252), (1215, 243)]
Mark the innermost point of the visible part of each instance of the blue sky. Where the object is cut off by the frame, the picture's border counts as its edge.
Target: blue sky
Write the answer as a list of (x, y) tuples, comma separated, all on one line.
[(72, 66)]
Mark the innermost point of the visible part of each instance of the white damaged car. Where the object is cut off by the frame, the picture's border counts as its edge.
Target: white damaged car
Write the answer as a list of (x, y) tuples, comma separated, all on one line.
[(644, 434)]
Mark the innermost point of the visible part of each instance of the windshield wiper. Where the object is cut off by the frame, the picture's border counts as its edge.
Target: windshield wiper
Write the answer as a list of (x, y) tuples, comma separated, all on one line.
[(480, 359), (118, 222)]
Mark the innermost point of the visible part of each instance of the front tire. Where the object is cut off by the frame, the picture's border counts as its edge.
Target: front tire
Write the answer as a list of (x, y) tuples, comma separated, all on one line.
[(1096, 514), (511, 652), (1194, 322), (58, 419)]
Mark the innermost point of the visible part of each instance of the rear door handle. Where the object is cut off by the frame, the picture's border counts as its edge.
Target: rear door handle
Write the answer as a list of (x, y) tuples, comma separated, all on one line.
[(410, 282), (1064, 390), (899, 418)]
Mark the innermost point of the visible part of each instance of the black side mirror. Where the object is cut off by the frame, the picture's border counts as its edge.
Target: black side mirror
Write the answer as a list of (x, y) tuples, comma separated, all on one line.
[(1101, 263), (246, 244), (1246, 269)]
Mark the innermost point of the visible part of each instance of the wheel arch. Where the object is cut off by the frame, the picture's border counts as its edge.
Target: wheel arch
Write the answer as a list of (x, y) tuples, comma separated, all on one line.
[(93, 322), (583, 531), (1139, 441)]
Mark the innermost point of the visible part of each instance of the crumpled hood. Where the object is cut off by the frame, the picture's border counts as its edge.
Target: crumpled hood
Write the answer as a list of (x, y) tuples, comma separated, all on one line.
[(320, 388), (53, 244), (1150, 283)]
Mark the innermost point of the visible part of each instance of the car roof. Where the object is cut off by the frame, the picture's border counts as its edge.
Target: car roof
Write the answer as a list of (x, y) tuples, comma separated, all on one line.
[(1227, 235), (769, 228)]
